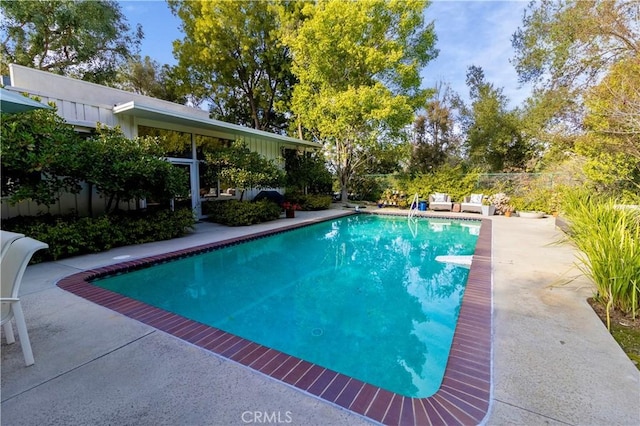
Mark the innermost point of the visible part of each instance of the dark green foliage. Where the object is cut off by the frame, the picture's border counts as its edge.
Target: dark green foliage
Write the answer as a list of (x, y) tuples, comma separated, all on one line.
[(39, 155), (42, 157), (70, 236), (145, 227), (243, 168), (495, 141), (436, 139), (149, 78), (306, 172), (124, 169), (310, 202), (367, 188), (239, 213), (88, 40), (455, 181)]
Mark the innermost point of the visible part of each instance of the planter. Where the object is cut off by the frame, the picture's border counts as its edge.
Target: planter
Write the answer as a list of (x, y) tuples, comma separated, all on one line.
[(531, 215), (290, 213), (507, 213), (488, 210)]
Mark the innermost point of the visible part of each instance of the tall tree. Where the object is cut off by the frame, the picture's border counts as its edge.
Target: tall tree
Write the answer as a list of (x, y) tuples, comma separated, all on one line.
[(614, 107), (232, 57), (494, 138), (612, 143), (79, 38), (565, 47), (571, 42), (571, 51), (435, 135), (147, 77), (358, 66)]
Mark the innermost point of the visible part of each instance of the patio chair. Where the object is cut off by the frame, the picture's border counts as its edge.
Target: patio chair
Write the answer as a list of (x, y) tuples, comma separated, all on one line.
[(440, 201), (13, 264), (472, 203), (6, 238)]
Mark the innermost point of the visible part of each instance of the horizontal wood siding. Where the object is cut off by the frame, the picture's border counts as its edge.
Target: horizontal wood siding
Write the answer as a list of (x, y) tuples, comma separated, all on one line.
[(68, 204)]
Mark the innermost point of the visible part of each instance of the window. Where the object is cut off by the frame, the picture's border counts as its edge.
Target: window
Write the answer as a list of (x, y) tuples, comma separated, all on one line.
[(204, 143), (176, 144)]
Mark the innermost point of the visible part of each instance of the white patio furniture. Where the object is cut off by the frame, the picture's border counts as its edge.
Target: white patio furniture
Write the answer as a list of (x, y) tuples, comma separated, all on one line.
[(14, 262), (440, 201), (472, 203), (6, 238)]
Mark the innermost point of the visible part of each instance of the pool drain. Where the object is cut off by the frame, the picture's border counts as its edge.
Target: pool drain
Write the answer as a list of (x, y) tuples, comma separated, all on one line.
[(317, 332)]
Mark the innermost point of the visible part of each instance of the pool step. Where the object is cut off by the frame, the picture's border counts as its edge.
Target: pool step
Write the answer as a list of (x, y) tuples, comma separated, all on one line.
[(463, 261)]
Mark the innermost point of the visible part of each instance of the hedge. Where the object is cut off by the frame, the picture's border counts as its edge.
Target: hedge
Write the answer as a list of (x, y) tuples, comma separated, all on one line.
[(71, 235), (239, 213)]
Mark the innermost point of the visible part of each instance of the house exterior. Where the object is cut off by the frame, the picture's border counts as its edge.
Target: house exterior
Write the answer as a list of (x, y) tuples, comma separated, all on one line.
[(187, 130)]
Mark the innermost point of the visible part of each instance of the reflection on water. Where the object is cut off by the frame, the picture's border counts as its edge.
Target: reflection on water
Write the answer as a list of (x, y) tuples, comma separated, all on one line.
[(361, 295)]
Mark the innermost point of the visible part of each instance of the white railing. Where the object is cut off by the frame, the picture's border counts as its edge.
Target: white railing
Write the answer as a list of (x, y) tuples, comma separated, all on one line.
[(413, 207)]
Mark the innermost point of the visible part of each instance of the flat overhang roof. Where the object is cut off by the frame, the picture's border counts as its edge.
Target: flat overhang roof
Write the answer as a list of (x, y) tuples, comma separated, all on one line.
[(175, 117)]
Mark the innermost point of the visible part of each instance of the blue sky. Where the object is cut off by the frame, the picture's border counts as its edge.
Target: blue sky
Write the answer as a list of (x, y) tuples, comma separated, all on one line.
[(469, 33)]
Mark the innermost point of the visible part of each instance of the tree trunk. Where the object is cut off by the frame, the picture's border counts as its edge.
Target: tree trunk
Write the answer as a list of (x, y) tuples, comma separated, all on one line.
[(344, 190), (344, 194)]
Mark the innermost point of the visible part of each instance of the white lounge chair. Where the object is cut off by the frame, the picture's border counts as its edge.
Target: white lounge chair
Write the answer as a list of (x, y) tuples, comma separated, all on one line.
[(6, 238), (440, 201), (472, 203), (14, 263)]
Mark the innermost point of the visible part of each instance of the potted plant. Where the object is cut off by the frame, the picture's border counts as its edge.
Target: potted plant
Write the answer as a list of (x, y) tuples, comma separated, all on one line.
[(488, 209), (290, 209)]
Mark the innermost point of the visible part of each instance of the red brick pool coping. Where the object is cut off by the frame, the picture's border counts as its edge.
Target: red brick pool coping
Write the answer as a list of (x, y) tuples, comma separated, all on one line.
[(463, 398)]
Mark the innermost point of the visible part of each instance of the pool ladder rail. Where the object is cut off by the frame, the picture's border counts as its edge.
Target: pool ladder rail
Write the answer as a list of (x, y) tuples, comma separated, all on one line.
[(413, 208)]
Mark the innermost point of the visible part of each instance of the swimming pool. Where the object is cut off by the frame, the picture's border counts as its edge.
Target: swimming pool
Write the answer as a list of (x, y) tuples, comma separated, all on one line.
[(312, 377), (362, 295)]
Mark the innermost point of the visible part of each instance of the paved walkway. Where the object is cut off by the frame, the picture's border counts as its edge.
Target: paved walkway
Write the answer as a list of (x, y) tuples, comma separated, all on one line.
[(554, 362)]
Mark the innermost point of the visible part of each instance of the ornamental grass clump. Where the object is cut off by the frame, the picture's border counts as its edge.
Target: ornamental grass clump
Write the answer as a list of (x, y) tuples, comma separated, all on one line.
[(608, 238)]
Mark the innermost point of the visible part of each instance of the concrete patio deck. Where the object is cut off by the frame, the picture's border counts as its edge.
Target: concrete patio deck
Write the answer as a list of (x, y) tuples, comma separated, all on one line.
[(553, 360)]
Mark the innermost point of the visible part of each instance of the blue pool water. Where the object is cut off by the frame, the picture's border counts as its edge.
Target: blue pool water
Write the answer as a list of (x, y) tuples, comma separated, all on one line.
[(361, 295)]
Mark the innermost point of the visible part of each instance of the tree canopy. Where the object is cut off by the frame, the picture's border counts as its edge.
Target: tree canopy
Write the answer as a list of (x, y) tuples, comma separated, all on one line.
[(232, 57), (358, 66), (568, 43), (38, 152), (147, 77), (435, 137), (494, 138), (82, 39), (583, 58)]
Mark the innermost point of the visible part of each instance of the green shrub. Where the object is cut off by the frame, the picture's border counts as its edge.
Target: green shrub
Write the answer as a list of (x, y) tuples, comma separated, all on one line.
[(608, 238), (70, 235), (144, 227), (454, 181), (535, 201), (310, 202), (368, 188), (239, 213)]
